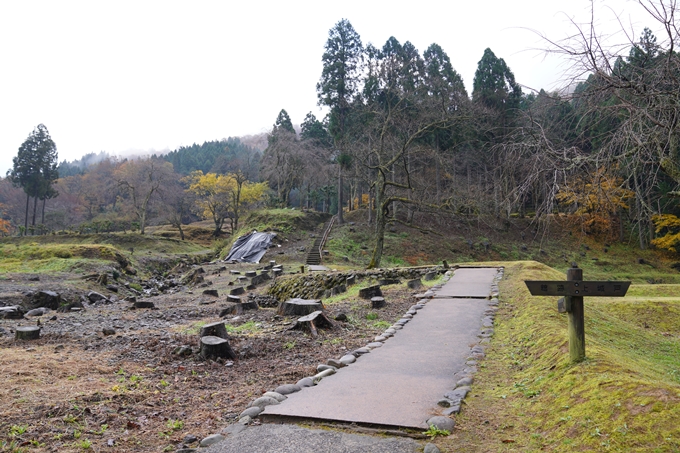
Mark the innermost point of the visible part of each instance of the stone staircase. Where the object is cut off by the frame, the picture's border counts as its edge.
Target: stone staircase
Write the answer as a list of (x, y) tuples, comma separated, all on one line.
[(314, 255)]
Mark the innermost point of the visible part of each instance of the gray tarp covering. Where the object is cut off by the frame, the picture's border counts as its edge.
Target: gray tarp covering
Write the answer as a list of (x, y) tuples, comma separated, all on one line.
[(250, 248)]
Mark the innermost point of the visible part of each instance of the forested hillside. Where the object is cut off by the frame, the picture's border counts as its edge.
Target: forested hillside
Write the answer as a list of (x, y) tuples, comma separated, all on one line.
[(402, 136)]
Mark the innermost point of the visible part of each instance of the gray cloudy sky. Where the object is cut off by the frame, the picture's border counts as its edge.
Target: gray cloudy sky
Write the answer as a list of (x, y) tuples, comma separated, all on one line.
[(136, 76)]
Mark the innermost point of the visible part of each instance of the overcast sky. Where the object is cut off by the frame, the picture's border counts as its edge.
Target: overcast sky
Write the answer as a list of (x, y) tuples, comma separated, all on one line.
[(137, 76)]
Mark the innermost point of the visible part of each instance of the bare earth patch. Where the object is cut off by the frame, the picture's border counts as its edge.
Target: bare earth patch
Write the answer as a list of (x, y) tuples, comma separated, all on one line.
[(76, 389)]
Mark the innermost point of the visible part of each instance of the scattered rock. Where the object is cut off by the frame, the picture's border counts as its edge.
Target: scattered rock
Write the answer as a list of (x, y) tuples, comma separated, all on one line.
[(444, 423), (277, 396), (323, 367), (211, 440), (342, 317), (431, 448), (252, 412), (305, 382), (108, 331), (233, 429), (348, 359), (287, 389), (38, 311), (263, 402), (97, 298)]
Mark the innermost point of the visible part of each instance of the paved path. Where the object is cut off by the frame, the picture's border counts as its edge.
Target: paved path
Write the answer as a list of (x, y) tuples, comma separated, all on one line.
[(294, 439), (469, 282), (399, 384)]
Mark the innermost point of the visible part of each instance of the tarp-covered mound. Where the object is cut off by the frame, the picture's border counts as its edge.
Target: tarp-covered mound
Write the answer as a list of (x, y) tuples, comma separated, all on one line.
[(250, 248)]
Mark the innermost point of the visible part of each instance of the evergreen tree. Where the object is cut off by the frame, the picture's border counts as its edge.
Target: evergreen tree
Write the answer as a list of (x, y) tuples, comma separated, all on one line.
[(494, 84), (283, 123), (316, 131), (339, 85), (35, 169)]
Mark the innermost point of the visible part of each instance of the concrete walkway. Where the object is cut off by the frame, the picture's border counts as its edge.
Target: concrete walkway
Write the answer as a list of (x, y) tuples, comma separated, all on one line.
[(294, 439), (396, 385), (399, 384)]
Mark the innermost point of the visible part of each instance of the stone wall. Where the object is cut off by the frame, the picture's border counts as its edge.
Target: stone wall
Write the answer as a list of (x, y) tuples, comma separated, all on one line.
[(320, 285)]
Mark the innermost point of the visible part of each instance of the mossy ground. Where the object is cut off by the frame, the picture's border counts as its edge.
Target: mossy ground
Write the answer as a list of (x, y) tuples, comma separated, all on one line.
[(82, 253), (529, 397)]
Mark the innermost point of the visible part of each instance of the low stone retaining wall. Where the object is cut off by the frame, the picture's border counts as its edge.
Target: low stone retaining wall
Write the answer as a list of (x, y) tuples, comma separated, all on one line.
[(319, 285)]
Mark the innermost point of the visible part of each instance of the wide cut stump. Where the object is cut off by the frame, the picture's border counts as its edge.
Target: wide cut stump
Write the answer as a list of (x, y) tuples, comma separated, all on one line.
[(378, 302), (215, 347), (370, 292), (312, 322), (27, 333), (237, 308), (299, 307), (215, 329)]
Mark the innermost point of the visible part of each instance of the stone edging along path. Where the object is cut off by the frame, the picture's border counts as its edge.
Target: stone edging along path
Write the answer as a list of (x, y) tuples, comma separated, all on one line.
[(449, 403)]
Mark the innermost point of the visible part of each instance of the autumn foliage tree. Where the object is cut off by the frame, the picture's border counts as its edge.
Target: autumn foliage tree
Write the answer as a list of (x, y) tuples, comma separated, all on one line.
[(598, 199), (222, 197)]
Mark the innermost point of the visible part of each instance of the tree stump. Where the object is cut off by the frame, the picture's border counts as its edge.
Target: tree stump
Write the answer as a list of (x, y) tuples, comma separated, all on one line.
[(231, 309), (235, 299), (414, 284), (48, 299), (12, 312), (430, 276), (215, 329), (143, 304), (215, 347), (251, 274), (250, 305), (211, 292), (299, 307), (27, 333), (371, 291), (103, 279), (389, 281), (312, 322), (237, 291), (378, 302)]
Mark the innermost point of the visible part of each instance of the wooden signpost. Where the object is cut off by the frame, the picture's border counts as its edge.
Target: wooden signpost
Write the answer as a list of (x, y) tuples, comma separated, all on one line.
[(573, 290)]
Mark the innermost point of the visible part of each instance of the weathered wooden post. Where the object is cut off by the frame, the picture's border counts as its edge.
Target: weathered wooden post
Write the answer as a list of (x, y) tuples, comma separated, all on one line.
[(573, 291), (576, 321)]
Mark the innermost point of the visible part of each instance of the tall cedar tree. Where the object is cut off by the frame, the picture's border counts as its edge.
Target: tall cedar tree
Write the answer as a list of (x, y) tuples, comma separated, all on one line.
[(35, 169), (338, 86)]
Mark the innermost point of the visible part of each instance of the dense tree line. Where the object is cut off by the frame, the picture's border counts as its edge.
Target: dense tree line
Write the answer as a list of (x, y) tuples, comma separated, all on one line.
[(403, 135)]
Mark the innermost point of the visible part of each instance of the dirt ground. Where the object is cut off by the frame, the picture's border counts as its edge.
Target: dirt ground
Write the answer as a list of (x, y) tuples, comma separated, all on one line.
[(79, 389)]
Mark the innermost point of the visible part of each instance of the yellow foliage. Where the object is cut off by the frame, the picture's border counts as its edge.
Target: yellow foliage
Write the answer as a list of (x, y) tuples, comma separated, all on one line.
[(222, 196), (597, 197), (671, 224), (252, 192), (4, 224)]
